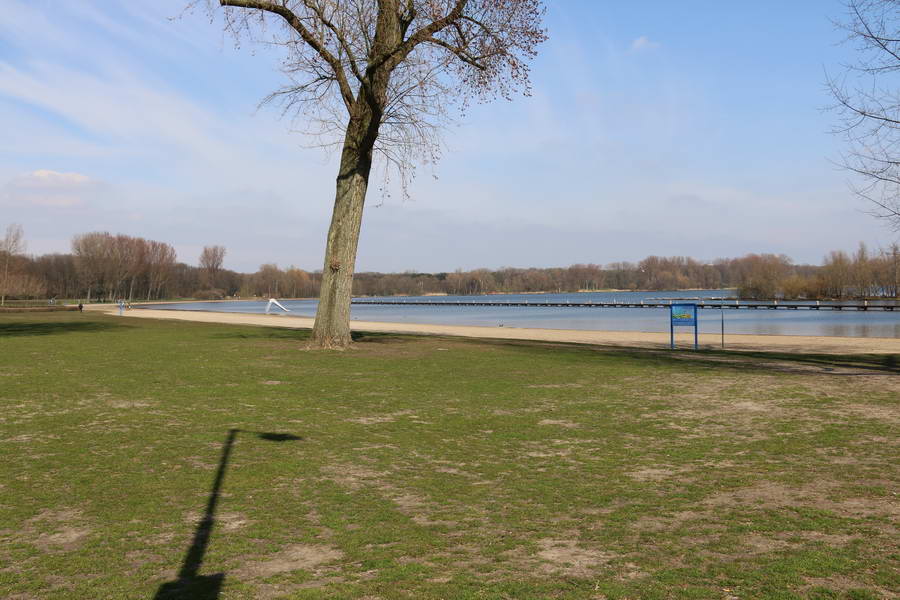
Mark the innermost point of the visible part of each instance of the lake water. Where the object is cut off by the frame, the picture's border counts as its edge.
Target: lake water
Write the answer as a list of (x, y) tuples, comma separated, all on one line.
[(761, 322)]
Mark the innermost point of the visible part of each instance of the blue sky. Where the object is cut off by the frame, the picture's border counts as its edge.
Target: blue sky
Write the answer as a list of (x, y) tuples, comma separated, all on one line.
[(690, 128)]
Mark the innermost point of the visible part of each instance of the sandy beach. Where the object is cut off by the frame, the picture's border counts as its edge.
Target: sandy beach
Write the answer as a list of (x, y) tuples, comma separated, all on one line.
[(774, 343)]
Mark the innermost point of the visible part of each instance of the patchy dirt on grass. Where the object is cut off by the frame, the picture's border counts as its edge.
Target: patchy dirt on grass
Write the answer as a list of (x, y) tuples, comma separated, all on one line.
[(560, 423), (123, 404), (660, 473), (770, 494), (65, 538), (385, 418), (747, 406), (560, 453), (414, 506), (877, 412), (554, 386), (306, 557), (755, 543), (199, 463), (667, 522), (353, 476), (140, 558), (67, 529), (566, 557), (838, 583), (225, 521)]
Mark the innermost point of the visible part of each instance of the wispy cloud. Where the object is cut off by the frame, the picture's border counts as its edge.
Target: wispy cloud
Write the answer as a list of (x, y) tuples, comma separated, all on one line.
[(113, 112), (644, 43)]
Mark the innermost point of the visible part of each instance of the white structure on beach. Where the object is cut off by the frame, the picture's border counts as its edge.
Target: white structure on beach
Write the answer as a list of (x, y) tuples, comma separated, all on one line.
[(273, 301)]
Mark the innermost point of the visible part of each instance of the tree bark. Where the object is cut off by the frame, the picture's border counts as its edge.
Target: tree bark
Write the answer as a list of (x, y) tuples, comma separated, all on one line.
[(332, 326)]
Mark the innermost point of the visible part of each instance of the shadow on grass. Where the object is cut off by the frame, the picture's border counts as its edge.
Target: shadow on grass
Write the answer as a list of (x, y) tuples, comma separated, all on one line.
[(263, 333), (32, 328), (190, 585), (796, 362), (266, 333), (783, 362), (885, 363), (374, 337)]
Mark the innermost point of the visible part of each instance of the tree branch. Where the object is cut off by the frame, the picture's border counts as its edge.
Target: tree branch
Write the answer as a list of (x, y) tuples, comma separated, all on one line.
[(337, 33), (869, 34), (392, 58), (460, 53), (295, 23)]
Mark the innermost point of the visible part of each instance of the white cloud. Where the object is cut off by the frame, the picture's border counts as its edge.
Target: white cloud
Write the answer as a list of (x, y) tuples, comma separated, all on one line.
[(644, 43), (48, 188), (46, 176)]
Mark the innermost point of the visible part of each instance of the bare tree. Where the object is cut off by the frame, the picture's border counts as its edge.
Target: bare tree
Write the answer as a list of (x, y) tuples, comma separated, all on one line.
[(211, 263), (160, 263), (137, 263), (867, 101), (376, 78), (13, 243), (91, 252)]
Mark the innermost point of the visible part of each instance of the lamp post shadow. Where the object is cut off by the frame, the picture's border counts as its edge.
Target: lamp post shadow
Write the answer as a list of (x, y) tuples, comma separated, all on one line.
[(190, 585)]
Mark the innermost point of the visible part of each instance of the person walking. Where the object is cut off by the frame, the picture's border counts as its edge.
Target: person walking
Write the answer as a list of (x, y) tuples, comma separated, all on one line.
[(80, 307)]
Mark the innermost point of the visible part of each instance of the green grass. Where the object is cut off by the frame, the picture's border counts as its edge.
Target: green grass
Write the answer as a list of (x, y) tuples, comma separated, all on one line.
[(435, 468)]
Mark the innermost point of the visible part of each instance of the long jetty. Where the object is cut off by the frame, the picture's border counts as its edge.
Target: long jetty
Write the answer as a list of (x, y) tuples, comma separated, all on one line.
[(864, 305)]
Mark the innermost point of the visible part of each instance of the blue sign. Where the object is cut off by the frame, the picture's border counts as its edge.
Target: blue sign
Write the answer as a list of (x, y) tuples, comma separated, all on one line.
[(682, 315)]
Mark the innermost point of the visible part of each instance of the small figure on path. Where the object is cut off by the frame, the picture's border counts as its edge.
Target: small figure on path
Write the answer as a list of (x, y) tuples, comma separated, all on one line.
[(121, 307), (80, 307)]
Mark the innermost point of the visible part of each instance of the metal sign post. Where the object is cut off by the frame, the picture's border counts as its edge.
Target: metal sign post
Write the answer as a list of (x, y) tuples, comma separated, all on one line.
[(722, 314), (682, 315)]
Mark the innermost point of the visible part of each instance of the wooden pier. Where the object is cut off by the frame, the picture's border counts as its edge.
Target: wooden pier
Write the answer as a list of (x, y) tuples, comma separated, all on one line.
[(701, 304)]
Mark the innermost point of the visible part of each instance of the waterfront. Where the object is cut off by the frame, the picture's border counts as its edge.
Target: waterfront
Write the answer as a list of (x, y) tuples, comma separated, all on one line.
[(443, 311)]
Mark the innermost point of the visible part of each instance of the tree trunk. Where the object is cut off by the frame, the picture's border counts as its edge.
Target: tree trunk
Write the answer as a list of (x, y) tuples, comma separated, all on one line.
[(332, 326)]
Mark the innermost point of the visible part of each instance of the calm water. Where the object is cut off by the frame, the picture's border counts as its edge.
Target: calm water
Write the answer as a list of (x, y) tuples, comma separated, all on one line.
[(764, 322)]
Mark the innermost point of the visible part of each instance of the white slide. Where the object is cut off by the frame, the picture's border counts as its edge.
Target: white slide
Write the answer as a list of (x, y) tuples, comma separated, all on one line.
[(276, 303)]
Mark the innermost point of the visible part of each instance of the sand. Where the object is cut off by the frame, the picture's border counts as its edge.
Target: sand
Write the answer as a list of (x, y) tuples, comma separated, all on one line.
[(774, 343)]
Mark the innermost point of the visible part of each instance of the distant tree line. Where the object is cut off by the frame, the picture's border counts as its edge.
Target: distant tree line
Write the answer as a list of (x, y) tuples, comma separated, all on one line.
[(864, 274), (103, 266)]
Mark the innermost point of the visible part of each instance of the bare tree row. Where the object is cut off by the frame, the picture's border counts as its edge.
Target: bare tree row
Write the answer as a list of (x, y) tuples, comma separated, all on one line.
[(865, 274), (106, 266), (120, 266)]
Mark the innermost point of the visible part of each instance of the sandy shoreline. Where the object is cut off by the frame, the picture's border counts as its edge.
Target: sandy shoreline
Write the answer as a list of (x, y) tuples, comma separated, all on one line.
[(774, 343)]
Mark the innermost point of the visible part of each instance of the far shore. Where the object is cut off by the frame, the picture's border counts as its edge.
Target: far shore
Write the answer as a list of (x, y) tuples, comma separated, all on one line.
[(638, 339)]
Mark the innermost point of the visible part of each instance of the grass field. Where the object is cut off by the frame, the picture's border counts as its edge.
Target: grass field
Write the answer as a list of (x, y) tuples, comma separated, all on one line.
[(143, 459)]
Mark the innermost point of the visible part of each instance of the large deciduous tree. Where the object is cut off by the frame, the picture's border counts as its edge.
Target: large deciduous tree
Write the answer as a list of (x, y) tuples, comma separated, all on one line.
[(211, 260), (867, 100), (376, 77)]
